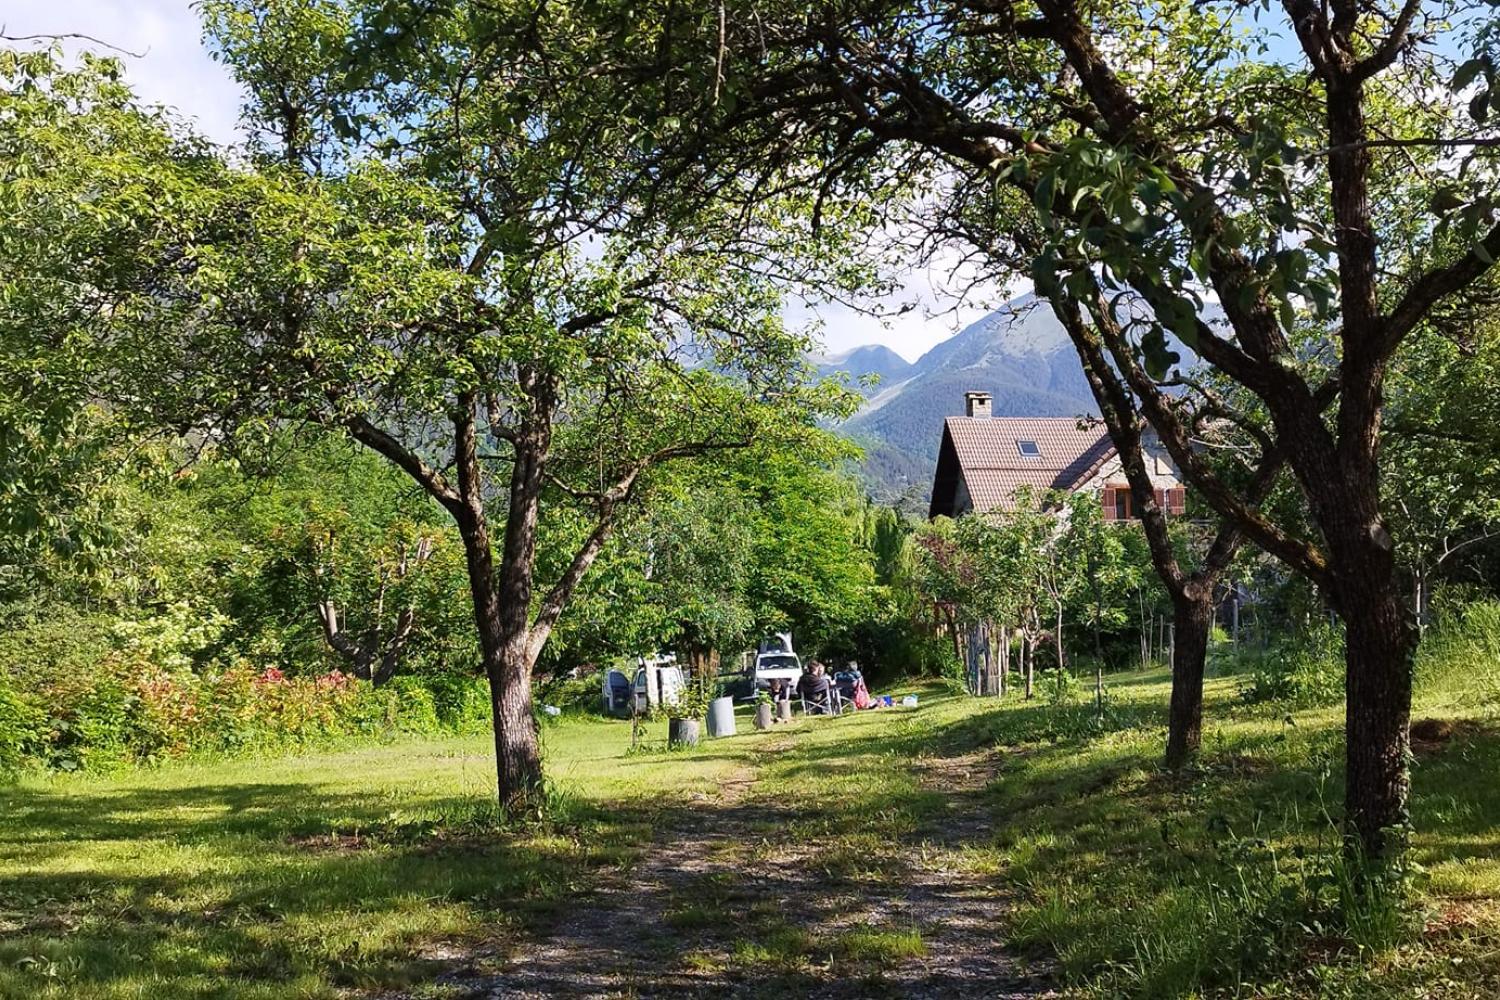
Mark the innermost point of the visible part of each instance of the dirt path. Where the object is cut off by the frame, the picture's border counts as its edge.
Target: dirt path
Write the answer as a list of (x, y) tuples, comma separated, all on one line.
[(724, 903)]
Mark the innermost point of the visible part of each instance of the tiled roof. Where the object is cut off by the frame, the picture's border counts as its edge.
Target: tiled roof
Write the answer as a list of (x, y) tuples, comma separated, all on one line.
[(993, 467)]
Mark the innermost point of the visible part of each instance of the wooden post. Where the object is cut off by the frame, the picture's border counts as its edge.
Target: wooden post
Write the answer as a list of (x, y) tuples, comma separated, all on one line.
[(1234, 610)]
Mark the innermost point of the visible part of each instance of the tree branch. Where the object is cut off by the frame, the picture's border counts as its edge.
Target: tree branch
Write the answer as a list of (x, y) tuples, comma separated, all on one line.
[(396, 453), (1437, 284)]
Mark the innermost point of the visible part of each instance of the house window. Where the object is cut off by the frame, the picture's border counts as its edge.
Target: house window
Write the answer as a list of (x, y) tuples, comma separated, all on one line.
[(1029, 449), (1116, 503)]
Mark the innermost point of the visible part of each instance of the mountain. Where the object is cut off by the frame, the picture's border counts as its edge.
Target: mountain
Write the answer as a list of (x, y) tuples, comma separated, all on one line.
[(1019, 352), (871, 359)]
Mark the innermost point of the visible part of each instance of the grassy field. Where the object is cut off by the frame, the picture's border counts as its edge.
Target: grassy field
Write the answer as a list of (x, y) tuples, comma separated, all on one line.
[(293, 877), (352, 872)]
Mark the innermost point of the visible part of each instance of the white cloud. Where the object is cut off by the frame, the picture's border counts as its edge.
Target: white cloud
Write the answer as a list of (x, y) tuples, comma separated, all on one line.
[(934, 301), (172, 68)]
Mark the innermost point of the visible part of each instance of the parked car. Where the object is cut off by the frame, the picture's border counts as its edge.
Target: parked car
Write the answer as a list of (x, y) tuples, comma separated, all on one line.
[(663, 686), (775, 660), (657, 681), (619, 692)]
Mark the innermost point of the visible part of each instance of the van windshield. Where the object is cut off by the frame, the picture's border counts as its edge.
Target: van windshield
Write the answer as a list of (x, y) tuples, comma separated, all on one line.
[(785, 661)]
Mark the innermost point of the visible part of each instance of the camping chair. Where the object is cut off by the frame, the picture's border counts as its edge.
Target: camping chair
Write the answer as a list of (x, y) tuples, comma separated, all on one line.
[(846, 683), (824, 702)]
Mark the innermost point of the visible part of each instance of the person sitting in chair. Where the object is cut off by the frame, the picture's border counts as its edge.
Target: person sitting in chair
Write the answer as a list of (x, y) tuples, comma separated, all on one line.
[(816, 689)]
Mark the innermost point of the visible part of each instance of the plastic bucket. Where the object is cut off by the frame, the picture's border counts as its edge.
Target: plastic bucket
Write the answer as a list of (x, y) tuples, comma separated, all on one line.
[(721, 717), (682, 732)]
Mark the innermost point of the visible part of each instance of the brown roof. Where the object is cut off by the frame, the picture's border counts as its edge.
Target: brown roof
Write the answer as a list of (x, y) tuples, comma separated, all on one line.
[(993, 468)]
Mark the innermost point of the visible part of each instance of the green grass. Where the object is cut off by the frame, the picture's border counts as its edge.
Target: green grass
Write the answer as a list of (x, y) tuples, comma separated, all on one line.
[(307, 875), (881, 946), (325, 875)]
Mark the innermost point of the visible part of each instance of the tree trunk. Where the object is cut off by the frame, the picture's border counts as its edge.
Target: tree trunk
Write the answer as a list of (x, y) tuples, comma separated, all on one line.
[(1235, 608), (1192, 620), (507, 666), (518, 757), (1380, 643), (1059, 636), (1028, 657), (1004, 640), (502, 605), (1098, 644), (1421, 601)]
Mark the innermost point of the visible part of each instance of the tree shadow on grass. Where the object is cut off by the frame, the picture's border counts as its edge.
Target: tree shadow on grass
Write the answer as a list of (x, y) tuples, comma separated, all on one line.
[(262, 889)]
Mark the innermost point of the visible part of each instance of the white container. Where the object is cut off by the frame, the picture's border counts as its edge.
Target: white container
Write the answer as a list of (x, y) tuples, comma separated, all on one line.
[(721, 717)]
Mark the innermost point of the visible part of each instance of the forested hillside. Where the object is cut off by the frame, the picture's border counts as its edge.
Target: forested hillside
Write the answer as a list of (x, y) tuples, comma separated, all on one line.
[(1019, 352)]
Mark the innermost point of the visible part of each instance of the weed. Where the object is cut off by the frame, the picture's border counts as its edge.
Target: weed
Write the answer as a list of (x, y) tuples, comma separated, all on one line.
[(1304, 672), (697, 916), (1059, 687), (778, 947), (879, 946)]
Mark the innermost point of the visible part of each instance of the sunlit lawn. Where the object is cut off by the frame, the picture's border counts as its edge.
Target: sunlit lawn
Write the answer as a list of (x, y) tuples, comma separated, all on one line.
[(291, 877), (321, 875)]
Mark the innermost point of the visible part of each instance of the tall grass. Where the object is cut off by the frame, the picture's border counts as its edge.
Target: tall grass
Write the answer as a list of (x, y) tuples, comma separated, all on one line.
[(1458, 661)]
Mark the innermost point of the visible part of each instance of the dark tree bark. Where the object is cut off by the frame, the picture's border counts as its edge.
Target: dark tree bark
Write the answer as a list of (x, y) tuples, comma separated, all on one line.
[(371, 657), (374, 655), (1192, 616), (1191, 592), (510, 637), (502, 604)]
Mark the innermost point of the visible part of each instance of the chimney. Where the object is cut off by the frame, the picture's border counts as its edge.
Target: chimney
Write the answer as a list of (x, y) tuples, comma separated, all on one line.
[(977, 404)]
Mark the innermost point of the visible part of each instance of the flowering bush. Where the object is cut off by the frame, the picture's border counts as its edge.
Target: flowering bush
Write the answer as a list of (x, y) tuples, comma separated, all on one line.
[(127, 711)]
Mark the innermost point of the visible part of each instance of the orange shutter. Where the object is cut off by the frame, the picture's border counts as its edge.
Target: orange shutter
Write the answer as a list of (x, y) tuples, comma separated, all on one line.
[(1177, 500), (1160, 496), (1109, 503)]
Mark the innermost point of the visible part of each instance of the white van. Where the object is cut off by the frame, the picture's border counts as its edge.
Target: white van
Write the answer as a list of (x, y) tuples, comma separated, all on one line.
[(658, 682), (775, 660)]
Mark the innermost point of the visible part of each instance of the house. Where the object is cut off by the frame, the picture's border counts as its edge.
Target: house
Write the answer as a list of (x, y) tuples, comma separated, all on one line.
[(984, 460)]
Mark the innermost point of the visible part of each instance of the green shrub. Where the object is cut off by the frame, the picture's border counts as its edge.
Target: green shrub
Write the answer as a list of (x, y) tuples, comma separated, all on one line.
[(462, 701), (1460, 653), (577, 694), (94, 728), (38, 646), (21, 730), (1302, 672), (124, 711), (414, 710), (1059, 687)]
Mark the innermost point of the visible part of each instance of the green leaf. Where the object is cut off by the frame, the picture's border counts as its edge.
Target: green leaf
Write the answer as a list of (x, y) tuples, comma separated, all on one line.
[(1044, 273), (1158, 356), (1479, 106), (1183, 320), (1046, 188), (1468, 72)]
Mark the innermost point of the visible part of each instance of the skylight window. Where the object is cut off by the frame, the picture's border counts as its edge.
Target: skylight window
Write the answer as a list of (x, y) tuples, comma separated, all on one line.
[(1029, 449)]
